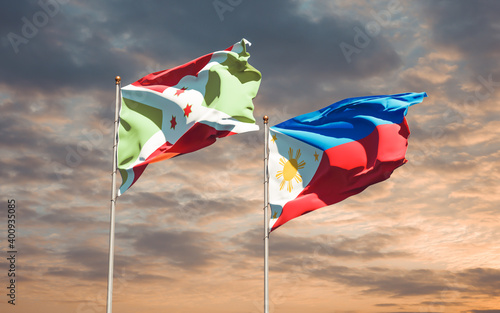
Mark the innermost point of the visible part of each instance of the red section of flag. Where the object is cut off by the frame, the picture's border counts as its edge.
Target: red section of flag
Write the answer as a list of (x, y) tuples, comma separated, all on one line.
[(138, 170), (197, 137), (159, 81), (348, 169)]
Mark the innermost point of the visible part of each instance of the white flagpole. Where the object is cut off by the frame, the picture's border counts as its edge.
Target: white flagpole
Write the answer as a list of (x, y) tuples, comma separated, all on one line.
[(113, 202), (266, 217)]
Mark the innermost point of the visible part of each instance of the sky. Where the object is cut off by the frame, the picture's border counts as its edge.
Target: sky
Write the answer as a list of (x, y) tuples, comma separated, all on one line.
[(189, 233)]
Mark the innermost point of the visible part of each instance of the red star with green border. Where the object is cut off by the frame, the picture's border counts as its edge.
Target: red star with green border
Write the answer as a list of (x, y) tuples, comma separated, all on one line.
[(187, 110), (179, 91), (173, 123)]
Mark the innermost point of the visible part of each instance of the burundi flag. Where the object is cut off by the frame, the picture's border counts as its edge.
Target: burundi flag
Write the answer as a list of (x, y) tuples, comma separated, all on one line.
[(183, 109), (321, 158)]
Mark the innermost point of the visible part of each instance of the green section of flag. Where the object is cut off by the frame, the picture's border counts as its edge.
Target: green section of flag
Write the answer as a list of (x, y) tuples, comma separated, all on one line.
[(124, 174), (232, 85), (138, 123)]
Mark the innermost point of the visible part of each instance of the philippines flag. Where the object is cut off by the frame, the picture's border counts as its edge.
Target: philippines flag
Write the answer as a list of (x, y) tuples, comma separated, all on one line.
[(323, 157)]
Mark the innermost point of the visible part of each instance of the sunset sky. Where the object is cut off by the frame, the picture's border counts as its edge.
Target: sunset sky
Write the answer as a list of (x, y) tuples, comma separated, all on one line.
[(189, 234)]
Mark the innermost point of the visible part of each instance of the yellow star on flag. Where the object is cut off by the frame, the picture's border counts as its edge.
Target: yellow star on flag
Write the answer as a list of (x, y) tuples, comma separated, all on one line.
[(274, 138)]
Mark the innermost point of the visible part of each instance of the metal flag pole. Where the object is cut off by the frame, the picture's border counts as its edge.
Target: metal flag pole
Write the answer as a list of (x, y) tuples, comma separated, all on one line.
[(266, 217), (113, 202)]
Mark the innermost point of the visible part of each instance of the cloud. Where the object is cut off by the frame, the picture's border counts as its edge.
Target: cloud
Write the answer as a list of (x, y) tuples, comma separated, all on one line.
[(475, 24), (88, 57), (435, 72), (186, 249), (397, 283), (471, 29), (386, 304), (400, 283), (440, 303), (294, 248)]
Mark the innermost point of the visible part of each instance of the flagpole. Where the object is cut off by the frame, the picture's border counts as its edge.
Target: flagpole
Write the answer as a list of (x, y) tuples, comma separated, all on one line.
[(266, 217), (113, 202)]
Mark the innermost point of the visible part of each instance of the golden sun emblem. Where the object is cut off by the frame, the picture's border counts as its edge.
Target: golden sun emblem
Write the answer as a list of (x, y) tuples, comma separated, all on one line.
[(290, 170)]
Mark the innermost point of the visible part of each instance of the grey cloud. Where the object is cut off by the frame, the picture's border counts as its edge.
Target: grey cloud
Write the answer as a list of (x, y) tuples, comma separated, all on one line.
[(56, 57), (481, 280), (190, 205), (85, 262), (18, 132), (466, 25), (44, 156), (441, 303), (397, 283), (188, 249), (148, 200), (470, 27), (367, 247), (72, 219), (88, 60), (419, 282), (90, 257), (90, 263), (32, 250)]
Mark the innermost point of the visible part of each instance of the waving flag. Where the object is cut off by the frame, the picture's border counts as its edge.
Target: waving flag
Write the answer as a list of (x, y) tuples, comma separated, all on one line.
[(183, 109), (321, 158)]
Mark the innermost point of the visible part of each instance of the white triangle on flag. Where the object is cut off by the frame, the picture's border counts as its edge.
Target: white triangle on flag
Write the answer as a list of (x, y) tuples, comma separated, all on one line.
[(292, 165)]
